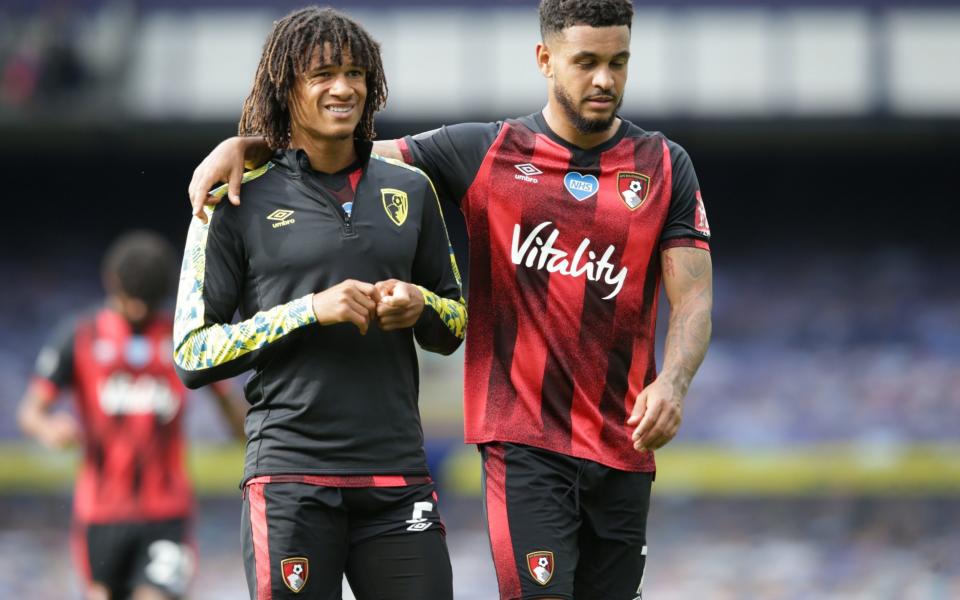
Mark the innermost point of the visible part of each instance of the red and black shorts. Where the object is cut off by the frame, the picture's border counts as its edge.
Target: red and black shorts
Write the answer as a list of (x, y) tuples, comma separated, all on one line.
[(564, 527), (300, 539), (126, 555)]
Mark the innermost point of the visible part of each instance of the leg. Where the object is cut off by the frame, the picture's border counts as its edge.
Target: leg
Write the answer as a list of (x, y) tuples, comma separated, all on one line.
[(531, 503), (164, 560), (104, 554), (96, 591), (398, 547), (613, 541), (294, 538), (412, 566)]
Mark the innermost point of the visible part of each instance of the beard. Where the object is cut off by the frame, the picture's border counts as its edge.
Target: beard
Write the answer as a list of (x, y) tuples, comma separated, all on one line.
[(576, 118)]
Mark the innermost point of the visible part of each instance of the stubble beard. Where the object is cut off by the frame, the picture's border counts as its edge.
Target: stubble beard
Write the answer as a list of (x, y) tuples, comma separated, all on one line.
[(580, 122)]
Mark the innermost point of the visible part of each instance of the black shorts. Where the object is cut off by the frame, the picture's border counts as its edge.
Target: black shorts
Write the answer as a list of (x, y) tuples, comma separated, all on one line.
[(124, 556), (300, 539), (563, 527)]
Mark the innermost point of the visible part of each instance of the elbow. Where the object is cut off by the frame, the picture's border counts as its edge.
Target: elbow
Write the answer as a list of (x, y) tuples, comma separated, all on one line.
[(443, 345), (448, 348), (193, 379)]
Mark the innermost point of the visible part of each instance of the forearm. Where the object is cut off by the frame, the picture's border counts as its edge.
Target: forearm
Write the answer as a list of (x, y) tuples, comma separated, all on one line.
[(204, 354), (688, 336), (688, 274), (234, 413), (31, 419), (388, 149), (256, 150), (33, 414), (442, 326)]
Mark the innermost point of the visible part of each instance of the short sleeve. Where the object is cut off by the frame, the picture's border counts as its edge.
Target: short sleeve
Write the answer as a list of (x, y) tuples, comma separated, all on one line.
[(686, 223), (451, 155), (55, 361)]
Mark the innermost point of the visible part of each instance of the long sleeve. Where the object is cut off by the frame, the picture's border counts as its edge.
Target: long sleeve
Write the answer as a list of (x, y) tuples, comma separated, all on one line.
[(207, 346), (442, 326)]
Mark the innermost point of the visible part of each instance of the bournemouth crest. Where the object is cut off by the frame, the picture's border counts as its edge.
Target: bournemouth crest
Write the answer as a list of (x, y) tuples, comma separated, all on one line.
[(396, 204), (295, 572), (540, 565), (633, 188)]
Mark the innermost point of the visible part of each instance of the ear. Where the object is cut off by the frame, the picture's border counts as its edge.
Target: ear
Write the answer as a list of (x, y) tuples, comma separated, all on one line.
[(543, 60)]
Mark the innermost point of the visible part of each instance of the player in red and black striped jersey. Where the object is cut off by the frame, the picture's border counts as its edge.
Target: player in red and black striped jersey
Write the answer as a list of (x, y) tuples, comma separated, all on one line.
[(576, 217), (133, 501)]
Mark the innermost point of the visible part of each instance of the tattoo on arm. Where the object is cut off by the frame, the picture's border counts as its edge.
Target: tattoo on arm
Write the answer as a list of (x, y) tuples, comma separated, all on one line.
[(688, 275)]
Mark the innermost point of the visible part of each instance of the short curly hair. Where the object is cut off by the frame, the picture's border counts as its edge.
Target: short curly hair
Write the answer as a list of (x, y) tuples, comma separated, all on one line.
[(557, 15), (142, 265)]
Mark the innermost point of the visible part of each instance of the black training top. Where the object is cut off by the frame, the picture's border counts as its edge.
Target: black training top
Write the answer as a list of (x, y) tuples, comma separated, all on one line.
[(324, 400)]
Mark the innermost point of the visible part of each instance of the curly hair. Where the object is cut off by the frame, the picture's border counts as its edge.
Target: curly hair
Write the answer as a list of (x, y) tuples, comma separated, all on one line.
[(557, 15), (142, 265), (286, 56)]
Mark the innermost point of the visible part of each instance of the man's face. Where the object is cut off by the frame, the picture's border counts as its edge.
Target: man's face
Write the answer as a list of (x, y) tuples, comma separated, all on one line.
[(328, 99), (589, 67)]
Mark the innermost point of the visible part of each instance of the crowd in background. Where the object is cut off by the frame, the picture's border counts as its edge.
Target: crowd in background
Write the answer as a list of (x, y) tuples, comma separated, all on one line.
[(722, 549), (816, 348)]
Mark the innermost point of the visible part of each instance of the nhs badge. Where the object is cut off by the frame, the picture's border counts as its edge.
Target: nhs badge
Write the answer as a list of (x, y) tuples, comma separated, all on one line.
[(580, 186), (138, 352)]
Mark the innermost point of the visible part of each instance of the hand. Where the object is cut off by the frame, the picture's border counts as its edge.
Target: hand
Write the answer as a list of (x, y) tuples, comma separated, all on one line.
[(400, 305), (224, 164), (656, 415), (349, 301), (59, 431)]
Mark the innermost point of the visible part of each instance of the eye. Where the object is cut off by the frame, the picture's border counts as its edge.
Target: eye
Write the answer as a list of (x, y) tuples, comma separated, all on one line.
[(356, 73)]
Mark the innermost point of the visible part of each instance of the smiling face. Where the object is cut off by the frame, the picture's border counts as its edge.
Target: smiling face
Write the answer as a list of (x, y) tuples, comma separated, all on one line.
[(587, 70), (328, 99)]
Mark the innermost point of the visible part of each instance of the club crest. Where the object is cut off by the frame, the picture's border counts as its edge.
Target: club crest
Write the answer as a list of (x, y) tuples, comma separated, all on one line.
[(396, 204), (633, 188), (295, 572), (540, 565)]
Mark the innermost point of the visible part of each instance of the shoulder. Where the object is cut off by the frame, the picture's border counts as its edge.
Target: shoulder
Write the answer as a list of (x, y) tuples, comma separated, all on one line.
[(248, 177), (258, 185), (398, 174)]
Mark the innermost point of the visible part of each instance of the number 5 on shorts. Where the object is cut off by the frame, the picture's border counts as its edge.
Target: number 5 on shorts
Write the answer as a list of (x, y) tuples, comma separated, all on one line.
[(418, 522)]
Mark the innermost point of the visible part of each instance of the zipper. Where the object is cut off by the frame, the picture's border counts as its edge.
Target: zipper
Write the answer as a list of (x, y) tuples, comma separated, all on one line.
[(346, 222)]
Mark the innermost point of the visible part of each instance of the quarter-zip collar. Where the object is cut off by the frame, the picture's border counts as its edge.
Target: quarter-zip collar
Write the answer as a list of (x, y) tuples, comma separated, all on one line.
[(297, 161)]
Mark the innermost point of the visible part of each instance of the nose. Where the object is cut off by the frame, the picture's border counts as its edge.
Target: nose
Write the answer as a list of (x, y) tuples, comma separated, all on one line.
[(341, 87), (603, 79)]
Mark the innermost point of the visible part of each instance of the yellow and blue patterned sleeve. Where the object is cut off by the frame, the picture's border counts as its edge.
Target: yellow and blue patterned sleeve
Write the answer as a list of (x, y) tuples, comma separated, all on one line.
[(206, 349), (443, 326)]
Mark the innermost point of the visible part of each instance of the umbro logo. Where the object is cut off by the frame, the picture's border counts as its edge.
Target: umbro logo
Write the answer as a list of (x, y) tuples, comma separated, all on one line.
[(527, 172), (282, 218)]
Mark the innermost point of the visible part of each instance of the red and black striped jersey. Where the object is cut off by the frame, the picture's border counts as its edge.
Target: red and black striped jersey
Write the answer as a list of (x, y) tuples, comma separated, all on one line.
[(565, 250), (130, 403)]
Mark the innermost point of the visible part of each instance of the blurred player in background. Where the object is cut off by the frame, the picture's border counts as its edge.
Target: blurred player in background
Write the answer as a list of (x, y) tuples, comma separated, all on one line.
[(574, 215), (337, 261), (133, 503)]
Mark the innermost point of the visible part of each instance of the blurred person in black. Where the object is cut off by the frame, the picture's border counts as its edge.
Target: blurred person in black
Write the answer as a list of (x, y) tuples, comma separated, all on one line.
[(133, 504), (337, 260), (574, 215)]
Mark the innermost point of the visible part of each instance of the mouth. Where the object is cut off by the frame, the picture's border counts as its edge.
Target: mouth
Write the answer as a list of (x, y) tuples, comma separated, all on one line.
[(600, 102), (340, 111)]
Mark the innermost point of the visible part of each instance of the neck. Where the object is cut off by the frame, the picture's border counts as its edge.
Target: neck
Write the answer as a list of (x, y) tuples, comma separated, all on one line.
[(557, 121), (327, 155)]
